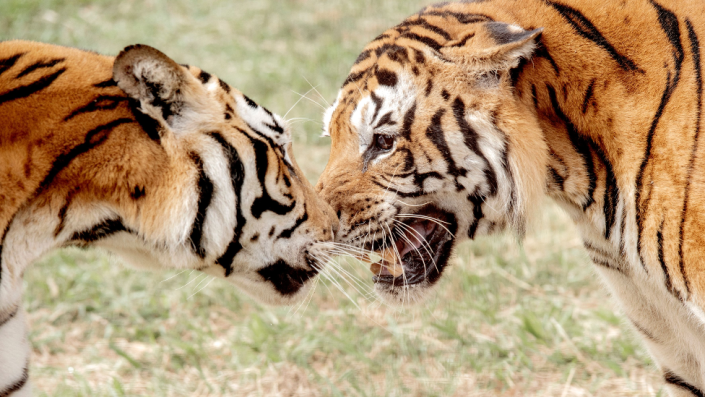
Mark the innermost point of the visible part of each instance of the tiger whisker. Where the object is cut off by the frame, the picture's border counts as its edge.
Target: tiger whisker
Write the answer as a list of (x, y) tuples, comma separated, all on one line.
[(317, 92), (295, 103), (175, 275), (309, 99), (207, 284), (196, 278), (344, 273)]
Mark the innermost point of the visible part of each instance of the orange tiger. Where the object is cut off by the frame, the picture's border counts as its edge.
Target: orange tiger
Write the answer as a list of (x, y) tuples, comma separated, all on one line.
[(454, 124), (163, 164)]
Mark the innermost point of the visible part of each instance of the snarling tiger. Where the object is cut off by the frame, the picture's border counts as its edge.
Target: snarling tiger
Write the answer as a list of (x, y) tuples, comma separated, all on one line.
[(456, 122), (163, 164)]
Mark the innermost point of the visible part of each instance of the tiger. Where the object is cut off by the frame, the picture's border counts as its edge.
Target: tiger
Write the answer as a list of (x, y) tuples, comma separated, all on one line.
[(457, 122), (162, 164)]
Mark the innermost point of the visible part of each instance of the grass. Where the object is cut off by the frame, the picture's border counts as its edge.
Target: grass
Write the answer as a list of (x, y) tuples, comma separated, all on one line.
[(506, 320)]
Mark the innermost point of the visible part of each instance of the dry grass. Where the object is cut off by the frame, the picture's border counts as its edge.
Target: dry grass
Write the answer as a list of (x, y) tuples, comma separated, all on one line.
[(507, 320)]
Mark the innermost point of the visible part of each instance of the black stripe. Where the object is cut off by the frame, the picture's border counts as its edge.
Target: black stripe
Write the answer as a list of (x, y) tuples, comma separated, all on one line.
[(588, 95), (353, 77), (29, 89), (92, 139), (611, 196), (103, 102), (644, 331), (695, 49), (607, 264), (288, 232), (17, 385), (399, 192), (204, 76), (436, 135), (669, 24), (39, 65), (151, 126), (378, 105), (462, 18), (422, 39), (542, 52), (265, 202), (250, 102), (363, 55), (386, 77), (205, 196), (386, 119), (62, 212), (556, 177), (7, 63), (662, 260), (471, 138), (286, 279), (585, 28), (580, 144), (237, 177), (395, 53), (224, 86), (675, 380), (588, 246), (2, 242), (464, 40), (100, 231), (9, 316), (477, 213), (409, 118), (105, 84), (424, 24)]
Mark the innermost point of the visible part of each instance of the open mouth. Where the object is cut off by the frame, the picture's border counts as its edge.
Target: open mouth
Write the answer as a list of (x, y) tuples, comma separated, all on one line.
[(418, 251)]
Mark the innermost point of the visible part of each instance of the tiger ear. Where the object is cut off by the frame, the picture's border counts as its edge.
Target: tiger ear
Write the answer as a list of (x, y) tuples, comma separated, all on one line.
[(166, 91), (495, 46)]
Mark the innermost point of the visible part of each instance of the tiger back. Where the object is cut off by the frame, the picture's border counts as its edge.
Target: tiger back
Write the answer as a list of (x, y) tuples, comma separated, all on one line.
[(164, 164), (454, 124)]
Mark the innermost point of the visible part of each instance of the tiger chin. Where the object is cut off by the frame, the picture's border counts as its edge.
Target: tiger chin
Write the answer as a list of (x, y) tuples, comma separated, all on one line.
[(454, 124), (163, 164)]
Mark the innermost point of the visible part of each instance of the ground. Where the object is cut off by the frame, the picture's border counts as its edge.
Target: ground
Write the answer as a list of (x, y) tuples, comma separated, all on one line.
[(507, 319)]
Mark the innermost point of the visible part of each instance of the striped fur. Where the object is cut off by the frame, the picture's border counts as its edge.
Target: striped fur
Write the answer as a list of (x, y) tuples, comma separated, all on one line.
[(165, 165), (492, 103)]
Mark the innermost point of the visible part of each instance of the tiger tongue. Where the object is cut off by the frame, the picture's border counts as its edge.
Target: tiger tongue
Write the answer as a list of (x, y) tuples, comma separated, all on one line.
[(414, 238)]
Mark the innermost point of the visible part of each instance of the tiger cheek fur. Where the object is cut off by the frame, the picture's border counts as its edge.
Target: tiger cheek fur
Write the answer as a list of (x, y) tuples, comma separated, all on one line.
[(468, 112), (163, 164)]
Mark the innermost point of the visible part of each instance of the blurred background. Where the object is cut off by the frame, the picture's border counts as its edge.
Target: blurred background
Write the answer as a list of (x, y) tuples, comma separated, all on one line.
[(506, 320)]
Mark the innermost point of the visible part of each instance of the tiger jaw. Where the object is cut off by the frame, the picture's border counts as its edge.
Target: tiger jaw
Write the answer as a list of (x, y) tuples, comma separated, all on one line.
[(418, 252)]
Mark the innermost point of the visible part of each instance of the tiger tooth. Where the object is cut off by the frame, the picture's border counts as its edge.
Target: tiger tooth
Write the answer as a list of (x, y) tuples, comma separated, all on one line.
[(376, 268)]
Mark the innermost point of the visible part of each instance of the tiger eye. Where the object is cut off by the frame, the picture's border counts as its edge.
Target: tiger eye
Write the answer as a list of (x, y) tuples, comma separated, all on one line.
[(384, 142)]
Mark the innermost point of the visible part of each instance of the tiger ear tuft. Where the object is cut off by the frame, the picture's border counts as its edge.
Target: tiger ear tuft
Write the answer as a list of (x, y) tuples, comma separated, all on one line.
[(495, 46), (160, 84)]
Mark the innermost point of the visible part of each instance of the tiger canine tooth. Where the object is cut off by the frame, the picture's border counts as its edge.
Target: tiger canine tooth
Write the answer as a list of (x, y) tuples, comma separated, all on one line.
[(389, 262)]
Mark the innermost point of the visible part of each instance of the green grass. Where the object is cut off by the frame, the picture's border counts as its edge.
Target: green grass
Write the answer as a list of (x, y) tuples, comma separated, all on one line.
[(506, 320)]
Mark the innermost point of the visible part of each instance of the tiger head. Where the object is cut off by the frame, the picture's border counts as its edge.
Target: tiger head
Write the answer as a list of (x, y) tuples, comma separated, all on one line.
[(231, 200), (430, 145)]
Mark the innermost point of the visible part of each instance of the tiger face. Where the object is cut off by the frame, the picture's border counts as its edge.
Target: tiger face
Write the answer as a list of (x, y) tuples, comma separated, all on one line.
[(166, 166), (255, 219), (427, 146)]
